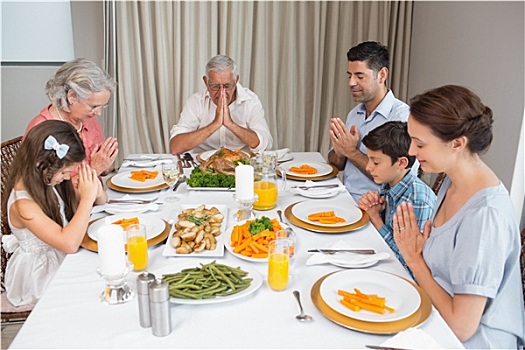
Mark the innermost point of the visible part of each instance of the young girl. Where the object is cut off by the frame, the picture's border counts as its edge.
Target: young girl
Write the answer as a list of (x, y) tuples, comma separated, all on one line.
[(47, 215), (467, 258)]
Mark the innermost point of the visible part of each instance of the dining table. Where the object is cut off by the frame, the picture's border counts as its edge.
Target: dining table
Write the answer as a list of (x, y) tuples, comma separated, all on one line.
[(70, 314)]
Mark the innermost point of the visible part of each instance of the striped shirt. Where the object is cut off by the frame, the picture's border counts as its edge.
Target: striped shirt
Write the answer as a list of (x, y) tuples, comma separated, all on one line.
[(411, 189)]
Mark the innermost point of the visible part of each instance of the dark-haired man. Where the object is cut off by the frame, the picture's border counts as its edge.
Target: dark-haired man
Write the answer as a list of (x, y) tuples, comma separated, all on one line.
[(368, 67)]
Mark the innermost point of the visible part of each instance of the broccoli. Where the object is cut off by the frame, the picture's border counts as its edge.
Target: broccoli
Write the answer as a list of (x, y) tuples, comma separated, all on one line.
[(259, 225)]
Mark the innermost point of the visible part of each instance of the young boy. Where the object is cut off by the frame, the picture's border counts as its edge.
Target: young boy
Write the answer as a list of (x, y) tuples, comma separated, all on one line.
[(389, 165)]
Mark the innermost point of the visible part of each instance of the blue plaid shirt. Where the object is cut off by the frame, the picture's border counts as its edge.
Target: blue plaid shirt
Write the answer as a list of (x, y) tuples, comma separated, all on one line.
[(410, 189)]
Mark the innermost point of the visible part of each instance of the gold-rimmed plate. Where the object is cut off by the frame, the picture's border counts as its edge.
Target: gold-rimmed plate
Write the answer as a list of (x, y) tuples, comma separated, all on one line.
[(330, 175), (349, 213), (415, 319), (321, 229), (399, 294), (114, 187), (90, 244)]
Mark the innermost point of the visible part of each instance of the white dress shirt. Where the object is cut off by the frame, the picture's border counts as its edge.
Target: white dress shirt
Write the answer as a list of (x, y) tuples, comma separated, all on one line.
[(246, 111)]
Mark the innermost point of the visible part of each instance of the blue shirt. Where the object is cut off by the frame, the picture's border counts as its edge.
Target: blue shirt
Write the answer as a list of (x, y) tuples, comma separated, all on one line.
[(390, 109), (477, 252), (409, 189)]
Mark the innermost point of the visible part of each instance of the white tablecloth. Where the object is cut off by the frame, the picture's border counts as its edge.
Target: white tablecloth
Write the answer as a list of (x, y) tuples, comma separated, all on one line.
[(70, 314)]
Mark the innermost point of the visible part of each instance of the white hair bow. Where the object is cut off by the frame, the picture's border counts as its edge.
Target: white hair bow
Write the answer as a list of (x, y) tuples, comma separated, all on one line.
[(52, 144)]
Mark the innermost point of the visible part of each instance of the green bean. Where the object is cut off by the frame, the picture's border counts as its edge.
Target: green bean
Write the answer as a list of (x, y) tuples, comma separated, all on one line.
[(207, 281)]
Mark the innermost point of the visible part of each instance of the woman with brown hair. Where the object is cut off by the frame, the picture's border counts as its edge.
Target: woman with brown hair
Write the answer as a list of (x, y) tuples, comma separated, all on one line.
[(467, 257)]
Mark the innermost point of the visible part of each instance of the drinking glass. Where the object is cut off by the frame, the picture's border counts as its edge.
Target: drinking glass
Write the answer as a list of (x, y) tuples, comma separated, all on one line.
[(171, 174), (278, 263), (137, 245)]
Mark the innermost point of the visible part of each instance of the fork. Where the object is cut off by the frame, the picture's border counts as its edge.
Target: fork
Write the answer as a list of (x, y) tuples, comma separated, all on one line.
[(132, 201), (184, 161), (189, 158), (306, 188)]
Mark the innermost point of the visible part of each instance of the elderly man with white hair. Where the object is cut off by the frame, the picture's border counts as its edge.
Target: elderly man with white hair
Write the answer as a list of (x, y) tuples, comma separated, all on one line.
[(226, 114)]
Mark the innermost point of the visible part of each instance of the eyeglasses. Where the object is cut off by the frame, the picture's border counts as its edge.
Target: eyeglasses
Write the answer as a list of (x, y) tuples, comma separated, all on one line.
[(216, 87), (96, 108)]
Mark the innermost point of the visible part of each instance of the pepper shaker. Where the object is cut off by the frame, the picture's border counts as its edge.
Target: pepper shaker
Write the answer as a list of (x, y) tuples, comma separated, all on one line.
[(159, 308), (143, 281)]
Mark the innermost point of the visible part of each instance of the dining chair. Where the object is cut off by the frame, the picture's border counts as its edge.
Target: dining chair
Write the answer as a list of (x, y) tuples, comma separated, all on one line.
[(434, 181), (10, 313)]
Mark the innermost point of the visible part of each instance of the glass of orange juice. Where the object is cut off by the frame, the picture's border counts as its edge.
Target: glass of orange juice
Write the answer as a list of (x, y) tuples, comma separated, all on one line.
[(266, 194), (278, 263), (137, 246)]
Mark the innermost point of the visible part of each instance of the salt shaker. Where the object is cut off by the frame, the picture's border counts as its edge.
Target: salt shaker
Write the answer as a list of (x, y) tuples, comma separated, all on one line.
[(159, 308), (143, 281)]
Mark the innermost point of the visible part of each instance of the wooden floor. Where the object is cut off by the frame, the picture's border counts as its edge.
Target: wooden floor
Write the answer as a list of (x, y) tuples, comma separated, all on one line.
[(9, 331)]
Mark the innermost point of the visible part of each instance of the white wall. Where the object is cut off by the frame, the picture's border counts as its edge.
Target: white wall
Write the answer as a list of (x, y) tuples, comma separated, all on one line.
[(23, 95), (479, 45)]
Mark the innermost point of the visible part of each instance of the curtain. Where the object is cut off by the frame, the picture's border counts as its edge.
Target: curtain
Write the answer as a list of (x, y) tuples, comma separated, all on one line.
[(291, 54)]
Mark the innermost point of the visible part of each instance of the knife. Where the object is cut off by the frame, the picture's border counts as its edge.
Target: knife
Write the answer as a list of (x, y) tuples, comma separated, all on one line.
[(181, 170), (316, 186), (379, 347), (147, 158), (333, 251)]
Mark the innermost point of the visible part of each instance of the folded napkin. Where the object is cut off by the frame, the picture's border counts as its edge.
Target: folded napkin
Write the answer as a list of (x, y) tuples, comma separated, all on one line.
[(282, 152), (126, 207), (317, 192), (350, 260), (412, 338), (146, 163)]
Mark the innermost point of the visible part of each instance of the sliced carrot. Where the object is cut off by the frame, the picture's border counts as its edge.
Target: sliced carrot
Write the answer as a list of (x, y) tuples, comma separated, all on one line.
[(256, 246), (350, 305), (370, 302)]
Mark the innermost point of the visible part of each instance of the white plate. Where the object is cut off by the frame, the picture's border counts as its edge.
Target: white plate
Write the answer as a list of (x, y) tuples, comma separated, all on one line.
[(347, 260), (123, 180), (154, 225), (322, 168), (130, 208), (207, 154), (228, 243), (217, 252), (347, 211), (222, 189), (318, 194), (174, 268), (399, 294), (372, 260), (288, 156)]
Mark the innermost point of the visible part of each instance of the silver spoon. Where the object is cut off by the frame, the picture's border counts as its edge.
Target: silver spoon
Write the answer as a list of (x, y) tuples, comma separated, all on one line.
[(280, 213), (302, 316)]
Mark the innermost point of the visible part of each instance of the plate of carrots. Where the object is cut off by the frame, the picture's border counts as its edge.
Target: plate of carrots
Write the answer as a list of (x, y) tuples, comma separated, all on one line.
[(326, 213), (369, 295), (251, 244), (307, 169), (138, 179)]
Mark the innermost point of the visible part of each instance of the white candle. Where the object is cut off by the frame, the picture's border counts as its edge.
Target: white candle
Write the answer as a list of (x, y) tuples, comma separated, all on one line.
[(243, 181), (111, 252)]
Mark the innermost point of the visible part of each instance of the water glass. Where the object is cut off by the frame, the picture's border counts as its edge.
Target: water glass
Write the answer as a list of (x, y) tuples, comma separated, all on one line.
[(170, 174), (137, 246), (278, 263)]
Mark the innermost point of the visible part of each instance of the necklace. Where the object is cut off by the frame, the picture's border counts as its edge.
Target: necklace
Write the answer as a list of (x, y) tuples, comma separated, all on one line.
[(62, 119)]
